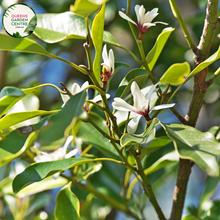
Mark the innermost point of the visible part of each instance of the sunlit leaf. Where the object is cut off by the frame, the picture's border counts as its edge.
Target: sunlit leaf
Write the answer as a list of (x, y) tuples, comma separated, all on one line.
[(192, 144), (67, 205), (144, 139), (176, 74), (97, 38), (155, 52), (39, 171)]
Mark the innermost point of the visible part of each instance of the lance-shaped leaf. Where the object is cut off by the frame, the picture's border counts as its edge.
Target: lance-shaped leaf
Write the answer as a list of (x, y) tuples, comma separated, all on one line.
[(145, 139), (201, 148), (15, 118), (39, 171), (176, 74), (97, 38), (56, 124), (86, 7), (8, 43), (155, 52), (205, 63), (67, 204), (11, 95), (53, 28)]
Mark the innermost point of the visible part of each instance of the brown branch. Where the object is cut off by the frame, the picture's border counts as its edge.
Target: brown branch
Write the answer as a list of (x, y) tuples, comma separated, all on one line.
[(2, 68), (200, 87)]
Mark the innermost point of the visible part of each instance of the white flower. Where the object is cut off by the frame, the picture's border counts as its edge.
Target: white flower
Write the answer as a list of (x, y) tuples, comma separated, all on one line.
[(109, 63), (144, 19), (58, 154), (141, 105), (77, 89), (74, 90)]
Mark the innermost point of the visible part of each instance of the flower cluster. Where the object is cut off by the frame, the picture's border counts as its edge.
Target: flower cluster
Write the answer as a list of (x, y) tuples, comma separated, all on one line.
[(141, 105)]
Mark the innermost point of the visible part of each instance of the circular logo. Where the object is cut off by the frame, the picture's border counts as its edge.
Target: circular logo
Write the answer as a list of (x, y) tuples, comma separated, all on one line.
[(19, 20)]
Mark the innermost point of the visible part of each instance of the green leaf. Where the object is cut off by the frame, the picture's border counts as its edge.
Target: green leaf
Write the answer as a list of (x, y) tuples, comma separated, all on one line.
[(138, 75), (67, 205), (39, 171), (8, 43), (86, 7), (209, 188), (56, 124), (205, 63), (7, 101), (11, 91), (155, 145), (90, 135), (97, 38), (53, 28), (155, 52), (176, 74), (15, 144), (192, 144), (32, 24), (15, 118), (145, 139)]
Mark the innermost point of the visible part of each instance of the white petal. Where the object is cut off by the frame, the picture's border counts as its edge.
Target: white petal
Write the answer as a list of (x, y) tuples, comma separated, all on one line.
[(152, 89), (153, 13), (137, 8), (65, 98), (140, 102), (75, 88), (98, 98), (104, 54), (121, 105), (158, 107), (160, 22), (141, 14), (133, 124), (124, 16), (112, 60), (84, 85), (149, 24), (72, 153)]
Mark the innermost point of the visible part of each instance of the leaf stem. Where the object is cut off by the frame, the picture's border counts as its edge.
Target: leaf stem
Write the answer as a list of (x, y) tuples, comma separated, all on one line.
[(150, 192)]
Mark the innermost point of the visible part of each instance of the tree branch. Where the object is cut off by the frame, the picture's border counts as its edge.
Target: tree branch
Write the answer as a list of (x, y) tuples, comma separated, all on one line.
[(200, 87)]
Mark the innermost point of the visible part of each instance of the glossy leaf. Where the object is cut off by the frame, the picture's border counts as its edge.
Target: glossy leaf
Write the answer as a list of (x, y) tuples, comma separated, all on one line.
[(11, 91), (155, 145), (85, 7), (15, 144), (164, 161), (8, 43), (15, 118), (138, 75), (190, 217), (7, 101), (176, 74), (56, 124), (39, 171), (155, 52), (90, 135), (67, 204), (53, 28), (97, 38), (205, 63), (192, 144), (144, 139)]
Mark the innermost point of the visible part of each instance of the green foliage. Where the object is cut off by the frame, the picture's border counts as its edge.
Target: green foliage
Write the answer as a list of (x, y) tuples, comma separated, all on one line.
[(82, 144)]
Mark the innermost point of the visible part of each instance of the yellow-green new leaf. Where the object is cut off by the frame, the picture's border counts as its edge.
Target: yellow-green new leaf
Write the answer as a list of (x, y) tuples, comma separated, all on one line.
[(176, 74), (67, 205), (97, 38)]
